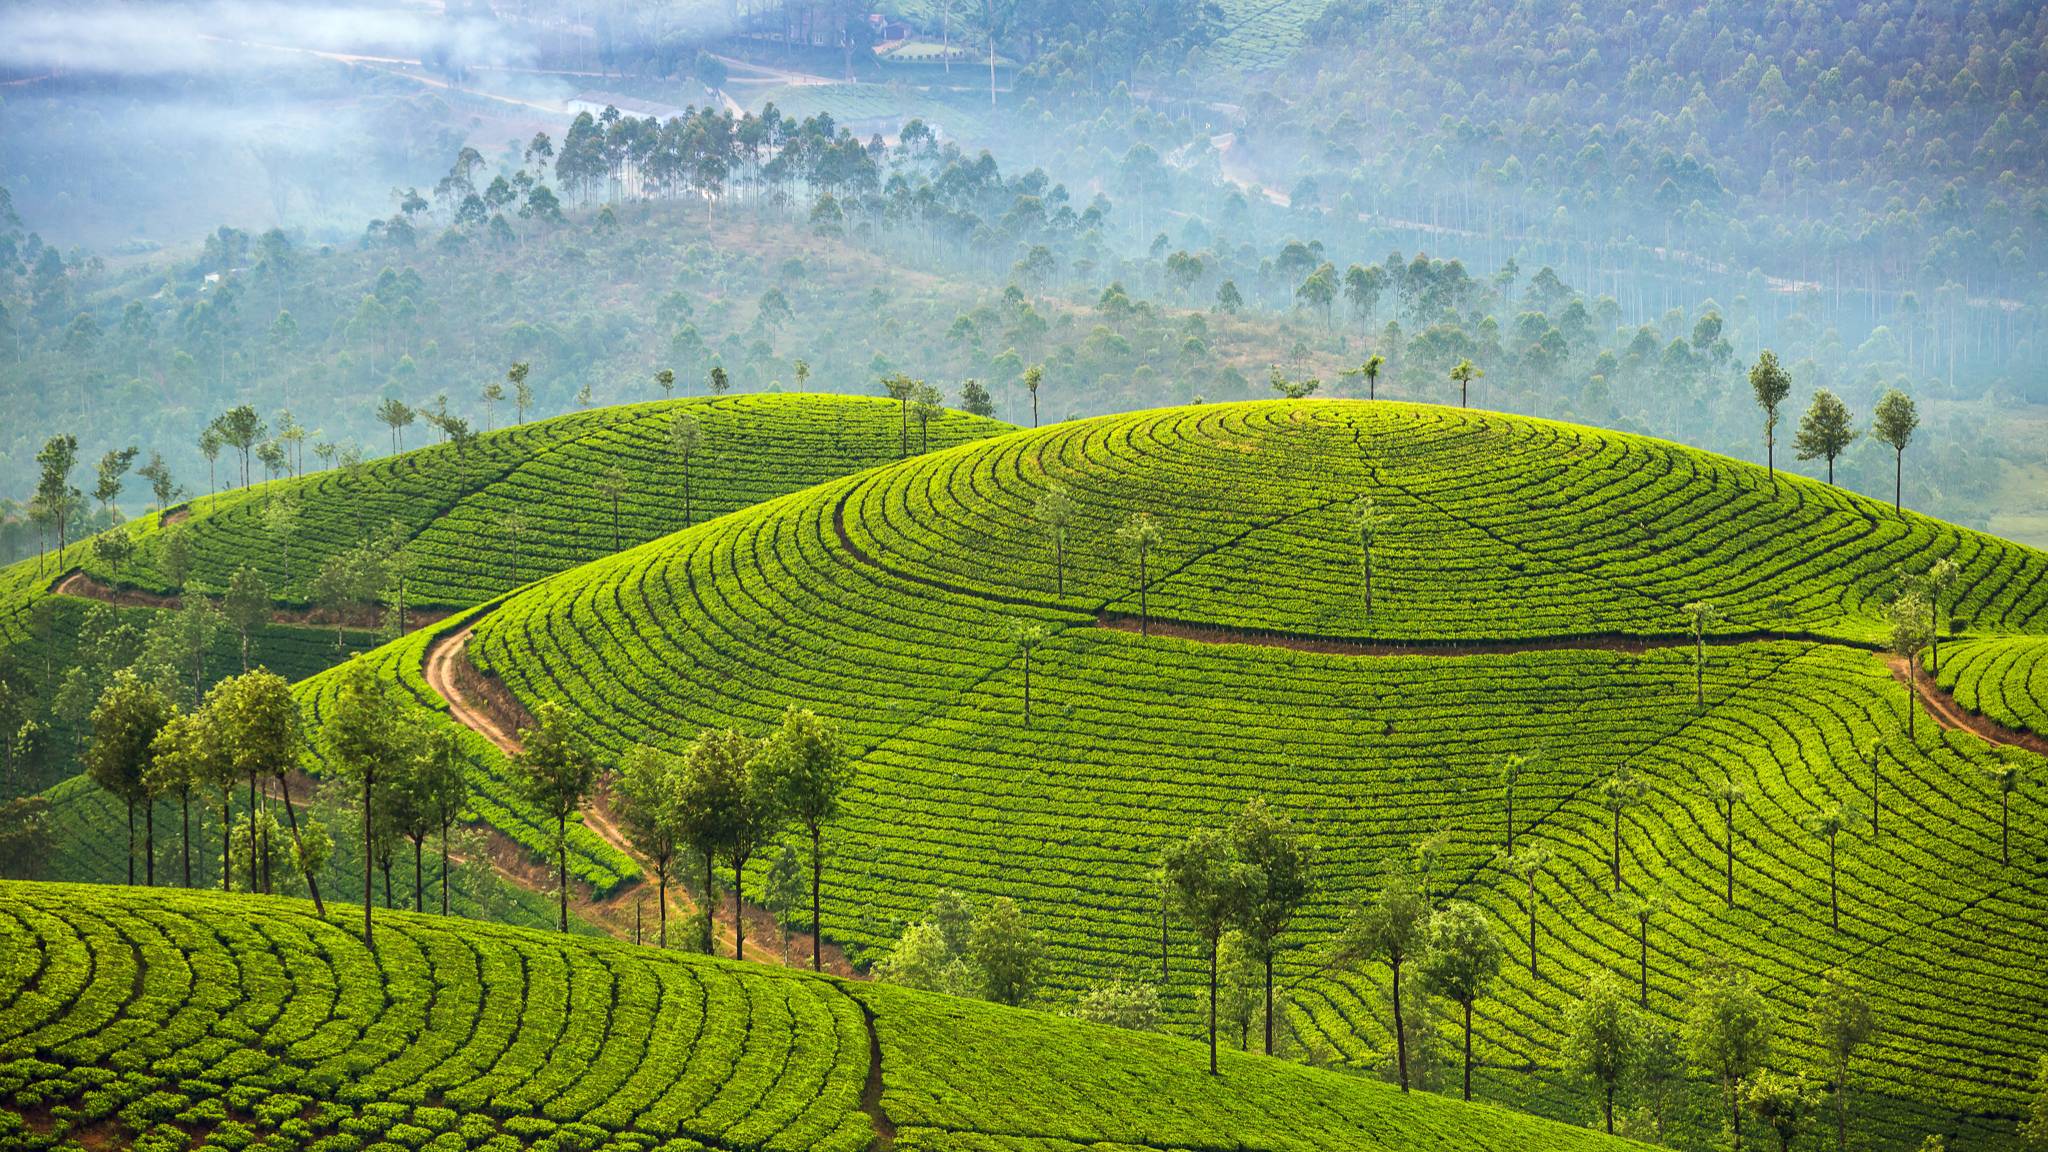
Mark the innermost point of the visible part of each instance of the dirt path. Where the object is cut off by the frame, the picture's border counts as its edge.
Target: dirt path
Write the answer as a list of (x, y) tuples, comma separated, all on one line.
[(446, 668), (87, 587), (1955, 717)]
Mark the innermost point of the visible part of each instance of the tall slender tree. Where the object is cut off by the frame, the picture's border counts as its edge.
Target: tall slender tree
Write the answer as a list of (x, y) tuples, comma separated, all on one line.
[(1770, 384), (366, 733), (1034, 378), (1461, 956), (1529, 864), (1842, 1023), (807, 766), (557, 770), (1140, 534), (1618, 793), (1277, 868), (1727, 1033), (685, 439), (2007, 779), (1894, 423), (1207, 886), (1391, 929), (1368, 520), (1700, 616), (650, 789), (1056, 512), (1602, 1039), (1463, 374), (260, 721), (1825, 432), (125, 723)]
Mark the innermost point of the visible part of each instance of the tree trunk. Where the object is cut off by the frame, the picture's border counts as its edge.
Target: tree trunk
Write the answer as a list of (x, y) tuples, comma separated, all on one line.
[(384, 867), (1735, 1107), (185, 834), (1468, 1050), (1607, 1107), (562, 873), (252, 832), (227, 842), (739, 919), (1898, 480), (1144, 605), (710, 906), (369, 896), (419, 884), (661, 899), (1215, 945), (149, 843), (1400, 1029), (1269, 1000), (291, 816), (444, 869), (131, 841), (817, 877)]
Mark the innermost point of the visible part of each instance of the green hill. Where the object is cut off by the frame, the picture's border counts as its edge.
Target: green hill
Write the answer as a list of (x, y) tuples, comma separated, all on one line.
[(447, 513), (1567, 554), (147, 1019)]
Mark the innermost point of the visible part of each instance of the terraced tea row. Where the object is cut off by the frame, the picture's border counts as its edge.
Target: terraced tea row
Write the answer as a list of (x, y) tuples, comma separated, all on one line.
[(2004, 678), (1491, 527), (170, 1015)]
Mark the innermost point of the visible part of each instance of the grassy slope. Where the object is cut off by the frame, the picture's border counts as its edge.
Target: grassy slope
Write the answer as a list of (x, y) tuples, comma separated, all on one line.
[(1502, 529), (174, 1013)]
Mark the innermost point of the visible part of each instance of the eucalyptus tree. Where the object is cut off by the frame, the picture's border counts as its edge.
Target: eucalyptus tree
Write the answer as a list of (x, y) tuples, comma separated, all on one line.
[(1827, 823), (1027, 635), (650, 790), (1603, 1039), (556, 769), (281, 515), (1825, 432), (1463, 374), (666, 380), (1277, 878), (1206, 884), (802, 371), (1700, 615), (1941, 578), (1770, 384), (256, 718), (1055, 511), (612, 485), (1529, 864), (1907, 637), (522, 392), (1618, 793), (492, 394), (515, 525), (2007, 778), (900, 388), (125, 723), (1394, 929), (440, 778), (1510, 775), (396, 415), (177, 765), (719, 381), (807, 766), (1369, 371), (1642, 907), (210, 445), (1842, 1024), (685, 439), (1894, 423), (240, 429), (1368, 520), (1871, 761), (367, 733), (926, 403), (1140, 534), (1727, 1033), (1728, 796), (1461, 956), (1034, 376)]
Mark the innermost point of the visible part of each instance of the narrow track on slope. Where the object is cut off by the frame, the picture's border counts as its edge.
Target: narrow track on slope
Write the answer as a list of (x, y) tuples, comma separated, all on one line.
[(446, 662), (1955, 717), (77, 583)]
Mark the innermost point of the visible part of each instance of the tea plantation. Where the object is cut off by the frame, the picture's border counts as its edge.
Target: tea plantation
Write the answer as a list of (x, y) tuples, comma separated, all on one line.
[(156, 1019), (1561, 557)]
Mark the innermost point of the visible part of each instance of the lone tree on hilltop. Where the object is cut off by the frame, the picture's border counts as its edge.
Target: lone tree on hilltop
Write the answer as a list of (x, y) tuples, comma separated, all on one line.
[(1702, 615), (927, 403), (1393, 929), (1034, 377), (1825, 431), (1207, 886), (807, 767), (1461, 957), (1603, 1039), (1727, 1034), (719, 380), (557, 770), (1370, 373), (1842, 1023), (1368, 520), (666, 380), (1056, 511), (1894, 424), (1276, 877), (1463, 375), (1770, 384), (1139, 535), (125, 723), (900, 389), (650, 787)]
